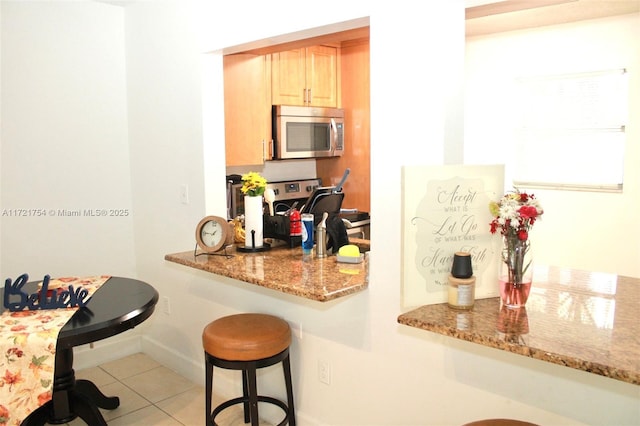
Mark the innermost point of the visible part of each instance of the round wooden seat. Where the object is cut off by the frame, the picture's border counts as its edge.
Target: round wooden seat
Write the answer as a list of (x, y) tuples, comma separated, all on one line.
[(248, 342), (499, 422), (246, 337)]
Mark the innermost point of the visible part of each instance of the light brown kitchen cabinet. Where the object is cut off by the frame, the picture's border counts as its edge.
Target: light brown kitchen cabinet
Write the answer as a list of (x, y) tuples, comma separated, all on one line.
[(305, 77), (355, 96), (247, 109)]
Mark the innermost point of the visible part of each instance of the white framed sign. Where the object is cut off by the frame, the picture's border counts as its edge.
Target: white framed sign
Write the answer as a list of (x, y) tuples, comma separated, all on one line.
[(445, 210)]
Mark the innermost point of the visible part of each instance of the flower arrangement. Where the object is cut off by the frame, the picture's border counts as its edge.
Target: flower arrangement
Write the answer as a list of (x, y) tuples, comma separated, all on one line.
[(253, 184), (514, 215)]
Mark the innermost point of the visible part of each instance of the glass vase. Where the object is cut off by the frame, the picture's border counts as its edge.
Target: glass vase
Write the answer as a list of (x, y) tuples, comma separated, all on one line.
[(253, 222), (513, 325), (515, 272)]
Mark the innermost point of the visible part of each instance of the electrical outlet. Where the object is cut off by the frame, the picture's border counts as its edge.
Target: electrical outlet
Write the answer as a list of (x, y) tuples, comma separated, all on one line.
[(166, 306), (324, 372)]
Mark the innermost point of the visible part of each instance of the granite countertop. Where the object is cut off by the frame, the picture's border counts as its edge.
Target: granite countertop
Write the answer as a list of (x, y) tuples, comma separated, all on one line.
[(579, 319), (284, 269)]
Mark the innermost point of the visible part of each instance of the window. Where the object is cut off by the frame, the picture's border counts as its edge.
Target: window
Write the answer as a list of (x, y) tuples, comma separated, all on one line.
[(572, 131)]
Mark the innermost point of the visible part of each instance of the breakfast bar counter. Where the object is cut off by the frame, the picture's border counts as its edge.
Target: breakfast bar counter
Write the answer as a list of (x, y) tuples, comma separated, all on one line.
[(578, 319), (284, 269)]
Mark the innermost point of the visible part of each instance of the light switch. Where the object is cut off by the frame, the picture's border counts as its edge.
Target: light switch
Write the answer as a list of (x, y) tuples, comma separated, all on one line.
[(184, 193)]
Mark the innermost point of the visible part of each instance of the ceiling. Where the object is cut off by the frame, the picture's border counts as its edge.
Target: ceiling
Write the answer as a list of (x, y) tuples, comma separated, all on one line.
[(116, 2), (512, 15), (493, 16)]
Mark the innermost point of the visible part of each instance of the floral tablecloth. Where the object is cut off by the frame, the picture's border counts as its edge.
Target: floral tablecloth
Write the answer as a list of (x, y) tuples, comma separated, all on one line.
[(28, 351)]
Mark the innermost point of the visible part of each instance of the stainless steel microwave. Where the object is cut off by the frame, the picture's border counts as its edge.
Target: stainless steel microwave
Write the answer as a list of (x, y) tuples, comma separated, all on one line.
[(307, 132)]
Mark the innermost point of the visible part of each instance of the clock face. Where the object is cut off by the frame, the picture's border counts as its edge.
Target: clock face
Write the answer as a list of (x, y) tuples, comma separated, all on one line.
[(213, 233)]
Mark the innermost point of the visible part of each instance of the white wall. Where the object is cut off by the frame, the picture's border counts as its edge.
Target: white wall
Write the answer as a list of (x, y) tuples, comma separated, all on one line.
[(1, 135), (64, 140), (584, 230), (382, 373)]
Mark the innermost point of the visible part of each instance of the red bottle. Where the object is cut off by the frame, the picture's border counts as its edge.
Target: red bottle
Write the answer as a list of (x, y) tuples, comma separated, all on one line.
[(295, 225)]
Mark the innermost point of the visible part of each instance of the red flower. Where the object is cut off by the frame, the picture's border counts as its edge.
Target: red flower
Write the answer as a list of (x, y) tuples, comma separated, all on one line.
[(24, 313), (11, 379), (517, 208), (529, 212), (44, 397), (4, 414), (45, 318), (15, 351)]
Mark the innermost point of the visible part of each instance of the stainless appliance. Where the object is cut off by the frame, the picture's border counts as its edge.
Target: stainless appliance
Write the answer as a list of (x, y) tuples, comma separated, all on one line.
[(307, 132), (357, 223), (298, 192), (286, 194)]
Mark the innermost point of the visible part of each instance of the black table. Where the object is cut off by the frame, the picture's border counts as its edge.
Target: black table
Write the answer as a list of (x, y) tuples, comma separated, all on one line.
[(118, 305)]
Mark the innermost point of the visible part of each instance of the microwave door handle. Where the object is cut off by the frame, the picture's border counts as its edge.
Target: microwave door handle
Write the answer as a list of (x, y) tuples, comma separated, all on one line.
[(334, 129), (229, 195)]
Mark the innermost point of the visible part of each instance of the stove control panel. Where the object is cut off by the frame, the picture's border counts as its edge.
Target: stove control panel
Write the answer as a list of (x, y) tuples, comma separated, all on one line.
[(293, 189)]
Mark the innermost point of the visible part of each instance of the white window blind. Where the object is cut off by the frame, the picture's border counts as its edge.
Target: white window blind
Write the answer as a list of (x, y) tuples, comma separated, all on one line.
[(572, 131)]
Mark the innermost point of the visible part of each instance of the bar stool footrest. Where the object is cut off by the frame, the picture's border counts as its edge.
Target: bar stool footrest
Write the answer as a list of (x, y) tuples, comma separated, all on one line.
[(245, 400)]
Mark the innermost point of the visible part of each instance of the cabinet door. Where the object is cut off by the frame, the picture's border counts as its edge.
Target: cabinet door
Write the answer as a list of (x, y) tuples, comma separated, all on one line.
[(355, 99), (288, 85), (247, 110), (321, 76)]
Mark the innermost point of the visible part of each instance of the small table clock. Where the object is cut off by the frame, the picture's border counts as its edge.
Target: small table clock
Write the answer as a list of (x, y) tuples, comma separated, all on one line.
[(213, 233)]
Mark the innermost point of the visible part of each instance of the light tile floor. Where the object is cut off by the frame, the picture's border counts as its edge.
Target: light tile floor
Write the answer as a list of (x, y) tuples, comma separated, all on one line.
[(151, 394)]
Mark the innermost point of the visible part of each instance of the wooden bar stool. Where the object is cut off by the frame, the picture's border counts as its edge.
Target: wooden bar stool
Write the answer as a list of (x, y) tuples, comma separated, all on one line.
[(247, 342), (499, 422)]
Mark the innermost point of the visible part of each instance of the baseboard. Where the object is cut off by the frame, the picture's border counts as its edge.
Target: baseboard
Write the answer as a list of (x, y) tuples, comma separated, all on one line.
[(194, 371), (176, 361), (88, 356)]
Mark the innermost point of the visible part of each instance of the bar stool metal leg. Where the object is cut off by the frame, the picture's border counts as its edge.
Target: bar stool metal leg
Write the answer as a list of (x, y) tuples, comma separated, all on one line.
[(253, 393), (245, 394), (208, 390), (286, 367)]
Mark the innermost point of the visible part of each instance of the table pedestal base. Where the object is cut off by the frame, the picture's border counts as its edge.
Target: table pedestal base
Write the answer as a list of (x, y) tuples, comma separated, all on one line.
[(71, 398)]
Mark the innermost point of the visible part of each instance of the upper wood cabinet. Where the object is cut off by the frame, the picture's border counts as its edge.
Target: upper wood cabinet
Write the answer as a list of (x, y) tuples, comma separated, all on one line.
[(247, 109), (305, 77), (355, 99)]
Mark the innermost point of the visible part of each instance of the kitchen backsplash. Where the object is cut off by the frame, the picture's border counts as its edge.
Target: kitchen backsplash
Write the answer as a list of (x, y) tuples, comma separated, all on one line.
[(275, 171)]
